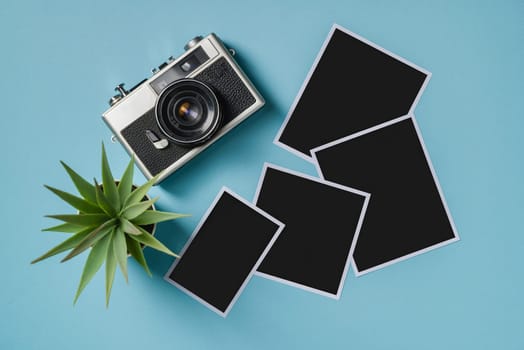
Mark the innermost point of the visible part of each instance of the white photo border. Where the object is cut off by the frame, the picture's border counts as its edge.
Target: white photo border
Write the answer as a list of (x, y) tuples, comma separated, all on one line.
[(255, 266), (355, 236), (435, 179), (335, 26)]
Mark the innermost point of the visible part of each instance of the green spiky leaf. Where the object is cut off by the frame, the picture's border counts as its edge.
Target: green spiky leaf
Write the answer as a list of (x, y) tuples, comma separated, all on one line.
[(110, 189), (94, 261), (153, 216), (138, 194), (90, 240), (76, 202), (86, 189), (147, 239), (81, 219), (135, 210), (66, 227), (126, 182), (69, 243), (110, 271), (128, 227), (136, 252), (104, 202), (120, 250)]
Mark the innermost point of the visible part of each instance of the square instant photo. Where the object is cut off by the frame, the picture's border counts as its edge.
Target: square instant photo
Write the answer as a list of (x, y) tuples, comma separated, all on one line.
[(407, 214), (322, 220), (224, 251), (353, 85)]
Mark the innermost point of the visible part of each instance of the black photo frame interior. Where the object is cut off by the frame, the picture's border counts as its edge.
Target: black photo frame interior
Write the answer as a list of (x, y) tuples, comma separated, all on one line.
[(224, 251)]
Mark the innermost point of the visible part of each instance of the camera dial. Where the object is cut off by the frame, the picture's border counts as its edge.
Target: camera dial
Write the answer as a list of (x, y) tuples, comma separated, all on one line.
[(121, 93), (187, 111), (192, 43)]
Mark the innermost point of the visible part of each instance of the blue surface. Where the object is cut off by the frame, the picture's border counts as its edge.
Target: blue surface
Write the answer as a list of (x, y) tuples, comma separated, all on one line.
[(60, 62)]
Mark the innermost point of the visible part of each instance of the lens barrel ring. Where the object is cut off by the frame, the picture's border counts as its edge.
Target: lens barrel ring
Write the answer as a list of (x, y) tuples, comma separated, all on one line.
[(188, 112)]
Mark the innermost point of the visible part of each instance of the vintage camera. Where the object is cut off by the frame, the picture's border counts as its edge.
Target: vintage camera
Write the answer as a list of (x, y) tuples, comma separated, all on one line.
[(187, 104)]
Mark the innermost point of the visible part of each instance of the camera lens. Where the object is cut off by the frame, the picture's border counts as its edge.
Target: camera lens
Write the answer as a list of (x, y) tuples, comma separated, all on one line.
[(187, 111)]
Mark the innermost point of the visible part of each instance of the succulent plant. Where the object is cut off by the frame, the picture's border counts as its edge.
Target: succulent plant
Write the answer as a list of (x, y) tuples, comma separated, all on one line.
[(110, 220)]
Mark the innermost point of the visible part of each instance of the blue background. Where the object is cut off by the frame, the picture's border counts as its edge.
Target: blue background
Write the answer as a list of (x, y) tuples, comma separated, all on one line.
[(60, 61)]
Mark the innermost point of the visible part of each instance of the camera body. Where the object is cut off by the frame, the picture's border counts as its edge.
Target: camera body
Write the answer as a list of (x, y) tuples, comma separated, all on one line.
[(187, 104)]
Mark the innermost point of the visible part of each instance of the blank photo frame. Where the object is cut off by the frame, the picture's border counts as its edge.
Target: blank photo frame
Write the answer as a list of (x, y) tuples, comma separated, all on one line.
[(224, 251), (407, 214), (322, 221), (353, 85)]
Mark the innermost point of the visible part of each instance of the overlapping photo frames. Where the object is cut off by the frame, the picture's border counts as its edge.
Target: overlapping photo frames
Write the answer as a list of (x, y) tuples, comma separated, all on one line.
[(377, 200), (353, 112)]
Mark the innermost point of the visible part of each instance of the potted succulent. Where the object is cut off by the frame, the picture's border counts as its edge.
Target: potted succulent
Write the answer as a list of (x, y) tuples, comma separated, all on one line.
[(114, 219)]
